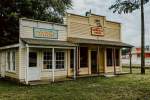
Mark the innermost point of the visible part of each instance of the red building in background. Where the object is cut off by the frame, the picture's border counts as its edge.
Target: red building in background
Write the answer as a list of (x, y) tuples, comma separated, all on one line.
[(136, 56)]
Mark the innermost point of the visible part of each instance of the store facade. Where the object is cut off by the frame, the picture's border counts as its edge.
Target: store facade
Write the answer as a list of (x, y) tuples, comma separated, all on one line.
[(83, 45)]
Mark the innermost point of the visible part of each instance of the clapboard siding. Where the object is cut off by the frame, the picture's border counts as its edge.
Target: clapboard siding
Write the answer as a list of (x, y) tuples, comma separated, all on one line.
[(3, 64), (57, 74), (22, 64), (26, 29), (80, 27)]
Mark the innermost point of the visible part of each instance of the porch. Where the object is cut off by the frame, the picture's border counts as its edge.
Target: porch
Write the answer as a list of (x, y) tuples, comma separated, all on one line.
[(58, 60)]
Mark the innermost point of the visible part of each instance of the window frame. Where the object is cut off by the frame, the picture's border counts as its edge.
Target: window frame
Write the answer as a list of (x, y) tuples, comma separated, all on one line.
[(118, 57), (11, 62), (46, 60), (36, 59), (84, 57), (72, 58), (14, 61), (58, 51), (111, 58)]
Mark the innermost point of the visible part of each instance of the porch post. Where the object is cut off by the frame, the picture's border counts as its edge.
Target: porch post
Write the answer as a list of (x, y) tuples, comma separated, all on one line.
[(53, 65), (130, 55), (98, 60), (74, 68), (78, 62), (27, 63), (114, 53)]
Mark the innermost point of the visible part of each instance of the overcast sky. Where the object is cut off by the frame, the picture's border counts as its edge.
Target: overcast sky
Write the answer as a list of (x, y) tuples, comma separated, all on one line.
[(130, 22)]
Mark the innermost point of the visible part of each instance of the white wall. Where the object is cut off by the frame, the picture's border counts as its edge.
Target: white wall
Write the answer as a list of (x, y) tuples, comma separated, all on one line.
[(27, 25)]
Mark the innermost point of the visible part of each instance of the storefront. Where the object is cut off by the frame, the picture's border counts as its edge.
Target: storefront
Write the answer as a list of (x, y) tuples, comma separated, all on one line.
[(83, 45)]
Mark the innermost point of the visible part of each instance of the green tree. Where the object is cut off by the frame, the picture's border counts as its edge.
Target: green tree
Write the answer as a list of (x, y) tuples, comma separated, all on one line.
[(128, 6), (12, 10)]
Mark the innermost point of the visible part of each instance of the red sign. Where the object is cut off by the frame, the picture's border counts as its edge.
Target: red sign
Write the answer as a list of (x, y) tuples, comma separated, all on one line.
[(98, 31)]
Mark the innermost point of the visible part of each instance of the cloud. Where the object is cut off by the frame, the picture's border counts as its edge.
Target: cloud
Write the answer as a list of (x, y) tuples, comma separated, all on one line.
[(130, 22)]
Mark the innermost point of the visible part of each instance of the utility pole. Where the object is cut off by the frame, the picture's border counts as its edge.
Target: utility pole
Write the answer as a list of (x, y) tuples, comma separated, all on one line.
[(142, 39)]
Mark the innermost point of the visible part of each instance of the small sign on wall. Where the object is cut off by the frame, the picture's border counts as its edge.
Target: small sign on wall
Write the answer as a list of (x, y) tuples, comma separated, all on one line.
[(97, 31), (45, 33)]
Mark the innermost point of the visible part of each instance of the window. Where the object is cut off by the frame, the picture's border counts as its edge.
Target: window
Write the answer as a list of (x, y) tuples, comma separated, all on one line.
[(117, 52), (13, 60), (72, 58), (138, 55), (32, 59), (8, 60), (109, 57), (83, 56), (60, 59), (47, 62)]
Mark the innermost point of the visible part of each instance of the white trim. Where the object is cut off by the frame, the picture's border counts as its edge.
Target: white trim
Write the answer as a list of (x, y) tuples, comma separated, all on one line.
[(58, 47), (9, 46), (74, 65), (53, 64), (27, 62)]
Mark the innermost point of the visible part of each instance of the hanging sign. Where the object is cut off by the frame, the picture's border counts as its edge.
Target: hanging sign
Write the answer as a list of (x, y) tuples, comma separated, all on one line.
[(45, 33), (97, 31)]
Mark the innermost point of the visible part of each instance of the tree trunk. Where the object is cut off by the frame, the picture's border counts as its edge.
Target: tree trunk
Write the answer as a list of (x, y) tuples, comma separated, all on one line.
[(142, 39)]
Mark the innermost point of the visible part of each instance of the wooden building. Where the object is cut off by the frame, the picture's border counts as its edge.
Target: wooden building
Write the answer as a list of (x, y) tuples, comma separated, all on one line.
[(83, 45)]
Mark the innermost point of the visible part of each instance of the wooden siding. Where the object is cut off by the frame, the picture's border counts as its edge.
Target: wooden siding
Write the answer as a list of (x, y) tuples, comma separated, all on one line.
[(22, 64), (26, 29), (14, 74), (80, 27)]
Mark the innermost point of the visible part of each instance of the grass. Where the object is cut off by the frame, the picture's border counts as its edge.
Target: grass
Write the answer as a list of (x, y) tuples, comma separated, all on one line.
[(124, 87)]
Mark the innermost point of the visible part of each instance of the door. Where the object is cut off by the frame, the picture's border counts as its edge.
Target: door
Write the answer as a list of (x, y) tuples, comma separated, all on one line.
[(33, 69), (93, 62)]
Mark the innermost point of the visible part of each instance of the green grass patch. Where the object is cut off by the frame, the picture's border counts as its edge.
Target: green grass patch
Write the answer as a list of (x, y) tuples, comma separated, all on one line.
[(125, 87)]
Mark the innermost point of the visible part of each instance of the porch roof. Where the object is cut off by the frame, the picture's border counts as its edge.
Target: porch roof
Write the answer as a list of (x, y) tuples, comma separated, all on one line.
[(47, 42), (98, 42)]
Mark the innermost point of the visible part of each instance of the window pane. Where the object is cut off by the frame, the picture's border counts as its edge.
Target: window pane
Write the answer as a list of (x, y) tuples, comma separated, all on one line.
[(32, 59), (60, 60), (8, 60), (47, 60), (117, 57), (72, 58), (109, 57), (14, 60), (83, 56)]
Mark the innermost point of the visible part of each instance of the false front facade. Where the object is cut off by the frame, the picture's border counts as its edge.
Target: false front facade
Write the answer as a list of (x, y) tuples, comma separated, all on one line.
[(83, 45)]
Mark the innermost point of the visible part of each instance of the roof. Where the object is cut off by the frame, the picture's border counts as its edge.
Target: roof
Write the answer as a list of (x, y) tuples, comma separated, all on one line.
[(98, 42), (10, 46), (27, 19), (47, 42)]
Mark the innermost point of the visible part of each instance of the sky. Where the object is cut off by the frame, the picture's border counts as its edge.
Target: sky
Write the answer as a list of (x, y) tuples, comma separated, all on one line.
[(131, 30)]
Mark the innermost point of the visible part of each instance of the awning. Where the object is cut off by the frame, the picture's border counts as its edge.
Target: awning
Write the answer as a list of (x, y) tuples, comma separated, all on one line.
[(98, 42), (47, 42)]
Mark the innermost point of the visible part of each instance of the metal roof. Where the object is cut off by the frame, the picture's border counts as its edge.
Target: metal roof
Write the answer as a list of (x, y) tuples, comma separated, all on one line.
[(98, 42), (47, 42)]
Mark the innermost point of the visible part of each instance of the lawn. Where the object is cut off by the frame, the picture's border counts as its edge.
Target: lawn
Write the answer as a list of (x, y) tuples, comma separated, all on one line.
[(124, 87)]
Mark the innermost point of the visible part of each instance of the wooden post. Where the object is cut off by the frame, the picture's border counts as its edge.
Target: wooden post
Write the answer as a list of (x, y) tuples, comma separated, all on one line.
[(77, 68), (114, 57), (142, 39), (130, 55), (53, 65), (74, 64), (98, 65), (27, 63)]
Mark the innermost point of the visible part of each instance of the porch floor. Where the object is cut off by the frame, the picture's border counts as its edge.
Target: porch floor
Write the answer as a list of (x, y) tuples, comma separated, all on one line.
[(42, 82)]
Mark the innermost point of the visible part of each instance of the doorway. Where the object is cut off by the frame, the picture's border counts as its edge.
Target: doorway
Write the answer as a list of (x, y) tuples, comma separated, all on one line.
[(33, 70), (94, 62)]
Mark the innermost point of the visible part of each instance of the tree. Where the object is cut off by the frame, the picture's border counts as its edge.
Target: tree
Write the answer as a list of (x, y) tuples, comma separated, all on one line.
[(128, 6), (12, 10)]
